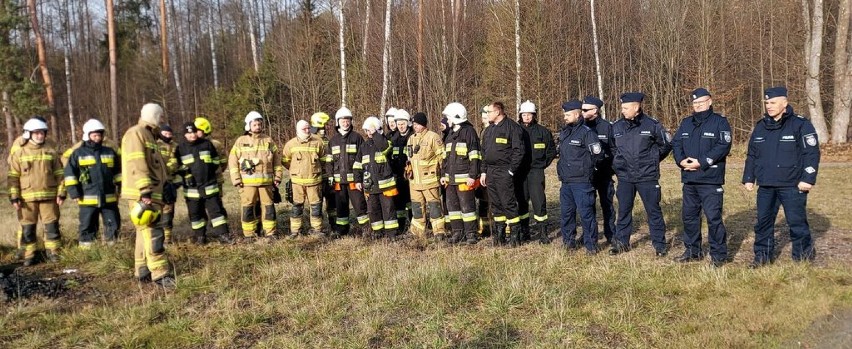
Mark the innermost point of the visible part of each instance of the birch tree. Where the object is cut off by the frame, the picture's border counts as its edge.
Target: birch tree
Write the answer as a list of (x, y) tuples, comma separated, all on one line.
[(597, 54), (842, 75), (212, 49), (517, 55), (164, 52), (342, 57), (813, 52), (66, 53), (252, 37), (386, 57), (367, 12), (113, 73)]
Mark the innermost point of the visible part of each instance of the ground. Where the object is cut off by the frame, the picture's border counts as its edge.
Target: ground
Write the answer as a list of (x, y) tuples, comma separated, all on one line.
[(355, 293)]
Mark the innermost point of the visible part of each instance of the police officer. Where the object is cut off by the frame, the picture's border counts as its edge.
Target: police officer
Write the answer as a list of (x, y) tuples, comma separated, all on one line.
[(503, 152), (425, 150), (461, 169), (343, 147), (543, 151), (700, 147), (167, 150), (374, 176), (602, 181), (579, 152), (198, 163), (36, 189), (319, 122), (144, 175), (399, 159), (639, 144), (304, 157), (783, 160), (255, 167), (93, 178)]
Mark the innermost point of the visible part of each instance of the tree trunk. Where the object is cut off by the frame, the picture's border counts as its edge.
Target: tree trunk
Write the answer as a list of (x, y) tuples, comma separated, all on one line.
[(42, 63), (368, 10), (386, 57), (164, 51), (597, 55), (177, 62), (342, 59), (113, 73), (10, 121), (66, 52), (252, 37), (813, 52), (842, 75), (212, 49), (419, 54), (517, 55)]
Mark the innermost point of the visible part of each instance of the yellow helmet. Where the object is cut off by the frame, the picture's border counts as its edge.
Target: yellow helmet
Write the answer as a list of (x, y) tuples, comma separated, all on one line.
[(144, 215), (203, 124), (319, 119)]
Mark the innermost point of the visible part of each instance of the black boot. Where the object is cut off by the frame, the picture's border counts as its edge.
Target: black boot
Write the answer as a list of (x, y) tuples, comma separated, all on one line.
[(543, 234), (472, 238), (456, 237), (499, 234), (515, 237)]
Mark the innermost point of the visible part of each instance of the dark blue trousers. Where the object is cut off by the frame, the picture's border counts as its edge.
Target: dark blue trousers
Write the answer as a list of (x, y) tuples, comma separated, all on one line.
[(707, 198), (651, 195), (605, 191), (769, 199), (573, 198), (89, 222)]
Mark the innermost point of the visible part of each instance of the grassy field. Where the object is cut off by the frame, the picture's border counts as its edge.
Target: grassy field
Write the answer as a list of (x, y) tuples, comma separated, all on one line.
[(352, 293)]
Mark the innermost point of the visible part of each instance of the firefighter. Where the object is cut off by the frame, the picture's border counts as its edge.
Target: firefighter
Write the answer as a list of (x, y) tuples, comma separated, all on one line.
[(425, 150), (255, 167), (503, 153), (304, 157), (106, 142), (461, 173), (36, 190), (399, 140), (93, 178), (198, 163), (167, 150), (390, 119), (144, 178), (482, 192), (319, 121), (374, 176), (205, 129), (542, 153), (343, 147)]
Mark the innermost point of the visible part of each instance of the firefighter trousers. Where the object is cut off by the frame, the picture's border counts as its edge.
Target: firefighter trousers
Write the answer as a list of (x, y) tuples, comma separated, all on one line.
[(382, 212), (306, 196), (519, 181), (47, 211), (343, 197), (90, 222), (201, 210), (402, 201), (502, 196), (482, 209), (461, 208), (328, 195), (249, 197), (149, 258), (426, 203), (534, 193), (167, 218)]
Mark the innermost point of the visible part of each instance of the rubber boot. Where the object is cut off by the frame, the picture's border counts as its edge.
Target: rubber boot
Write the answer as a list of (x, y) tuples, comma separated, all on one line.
[(499, 234), (543, 234), (515, 235), (456, 237)]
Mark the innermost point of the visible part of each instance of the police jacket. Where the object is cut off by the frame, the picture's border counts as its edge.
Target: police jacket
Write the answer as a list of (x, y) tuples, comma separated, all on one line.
[(35, 173), (603, 128), (505, 146), (782, 153), (93, 174), (373, 167), (255, 161), (198, 162), (705, 136), (398, 156), (543, 149), (461, 155), (304, 159), (638, 147), (579, 152), (144, 172), (344, 150), (106, 142), (425, 150)]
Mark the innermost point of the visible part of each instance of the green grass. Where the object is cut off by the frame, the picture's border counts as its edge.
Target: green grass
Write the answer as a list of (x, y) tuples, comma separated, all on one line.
[(354, 294)]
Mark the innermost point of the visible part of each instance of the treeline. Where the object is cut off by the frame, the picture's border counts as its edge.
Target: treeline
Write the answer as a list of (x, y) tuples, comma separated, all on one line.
[(283, 58)]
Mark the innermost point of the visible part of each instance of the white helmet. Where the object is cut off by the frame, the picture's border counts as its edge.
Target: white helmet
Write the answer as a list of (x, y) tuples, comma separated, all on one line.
[(372, 122), (527, 107), (341, 113), (455, 113), (93, 125), (402, 114), (252, 116), (390, 115), (34, 124)]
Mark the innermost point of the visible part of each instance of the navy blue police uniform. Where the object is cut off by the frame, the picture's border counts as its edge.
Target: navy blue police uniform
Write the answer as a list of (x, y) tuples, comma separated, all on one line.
[(602, 181)]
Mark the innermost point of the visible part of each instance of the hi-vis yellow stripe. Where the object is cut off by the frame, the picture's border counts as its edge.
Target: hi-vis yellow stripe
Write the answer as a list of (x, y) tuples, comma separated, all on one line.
[(539, 146), (502, 140)]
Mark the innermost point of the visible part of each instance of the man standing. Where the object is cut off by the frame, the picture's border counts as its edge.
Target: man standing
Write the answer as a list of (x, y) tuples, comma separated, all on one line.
[(639, 144), (205, 130), (482, 192), (399, 140), (783, 160), (390, 119), (579, 152), (375, 178), (543, 152), (319, 122), (36, 190), (700, 148), (602, 180), (343, 147), (503, 152), (255, 167), (461, 169), (167, 150), (144, 176), (425, 150), (93, 178), (304, 157)]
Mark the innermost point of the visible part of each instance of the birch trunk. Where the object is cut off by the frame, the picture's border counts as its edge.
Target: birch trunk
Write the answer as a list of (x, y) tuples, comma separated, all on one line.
[(252, 37), (813, 53), (366, 31), (212, 49), (176, 59), (517, 55), (164, 51), (386, 57), (42, 63), (342, 59), (419, 54), (597, 56), (842, 75), (66, 52), (113, 78)]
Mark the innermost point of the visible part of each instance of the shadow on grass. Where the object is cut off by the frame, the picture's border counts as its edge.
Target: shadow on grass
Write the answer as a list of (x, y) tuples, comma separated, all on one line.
[(496, 335), (740, 227)]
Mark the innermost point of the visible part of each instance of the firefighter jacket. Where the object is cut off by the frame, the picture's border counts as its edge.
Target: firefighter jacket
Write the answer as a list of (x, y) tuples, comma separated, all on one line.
[(197, 165), (543, 149), (373, 167), (106, 142), (255, 161), (343, 150), (461, 155), (223, 160), (35, 173), (304, 159), (398, 156), (425, 150), (93, 174), (144, 172), (782, 153), (505, 146)]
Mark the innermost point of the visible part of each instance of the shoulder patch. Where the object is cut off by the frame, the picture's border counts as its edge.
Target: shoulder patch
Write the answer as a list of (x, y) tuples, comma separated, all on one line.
[(811, 140)]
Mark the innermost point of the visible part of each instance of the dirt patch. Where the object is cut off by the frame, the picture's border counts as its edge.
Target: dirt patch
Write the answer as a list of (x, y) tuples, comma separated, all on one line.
[(15, 286), (831, 331)]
